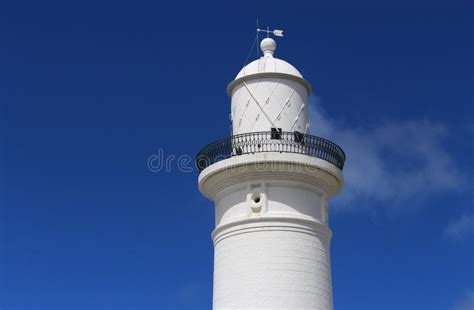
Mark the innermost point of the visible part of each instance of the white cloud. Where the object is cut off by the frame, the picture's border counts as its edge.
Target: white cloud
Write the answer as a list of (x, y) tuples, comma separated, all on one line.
[(394, 163), (467, 303), (460, 228)]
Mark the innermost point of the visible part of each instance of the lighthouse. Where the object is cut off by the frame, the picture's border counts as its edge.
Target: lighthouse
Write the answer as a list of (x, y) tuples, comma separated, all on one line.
[(270, 182)]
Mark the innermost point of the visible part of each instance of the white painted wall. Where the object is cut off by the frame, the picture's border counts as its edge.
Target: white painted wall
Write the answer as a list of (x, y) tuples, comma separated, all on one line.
[(273, 254), (281, 101)]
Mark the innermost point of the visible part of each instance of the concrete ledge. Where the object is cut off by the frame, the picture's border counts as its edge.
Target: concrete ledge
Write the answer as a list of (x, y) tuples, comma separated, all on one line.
[(271, 224), (268, 166)]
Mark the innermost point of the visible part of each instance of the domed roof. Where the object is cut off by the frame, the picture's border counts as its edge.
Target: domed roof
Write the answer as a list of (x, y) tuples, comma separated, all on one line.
[(267, 63), (268, 66)]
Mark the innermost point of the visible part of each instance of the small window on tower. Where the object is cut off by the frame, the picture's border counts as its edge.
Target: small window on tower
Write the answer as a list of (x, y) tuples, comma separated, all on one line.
[(298, 137), (276, 133)]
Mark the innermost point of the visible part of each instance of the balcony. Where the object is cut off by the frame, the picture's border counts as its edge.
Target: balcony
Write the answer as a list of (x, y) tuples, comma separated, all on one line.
[(270, 141)]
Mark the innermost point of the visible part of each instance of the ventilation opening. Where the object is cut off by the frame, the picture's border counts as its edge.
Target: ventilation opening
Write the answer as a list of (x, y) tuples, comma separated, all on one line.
[(256, 198)]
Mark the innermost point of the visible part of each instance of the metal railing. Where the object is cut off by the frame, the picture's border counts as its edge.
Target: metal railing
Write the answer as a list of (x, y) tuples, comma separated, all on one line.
[(270, 141)]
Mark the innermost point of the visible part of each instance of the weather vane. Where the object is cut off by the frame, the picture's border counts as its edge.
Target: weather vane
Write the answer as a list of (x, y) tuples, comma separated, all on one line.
[(276, 32)]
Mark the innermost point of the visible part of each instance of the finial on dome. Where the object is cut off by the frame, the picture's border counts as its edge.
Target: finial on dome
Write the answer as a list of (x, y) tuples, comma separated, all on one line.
[(268, 46)]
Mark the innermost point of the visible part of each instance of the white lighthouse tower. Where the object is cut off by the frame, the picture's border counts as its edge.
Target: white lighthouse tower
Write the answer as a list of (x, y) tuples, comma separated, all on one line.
[(271, 182)]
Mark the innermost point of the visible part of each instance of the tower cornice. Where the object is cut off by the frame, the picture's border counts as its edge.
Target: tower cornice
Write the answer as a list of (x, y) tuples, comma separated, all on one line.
[(304, 169)]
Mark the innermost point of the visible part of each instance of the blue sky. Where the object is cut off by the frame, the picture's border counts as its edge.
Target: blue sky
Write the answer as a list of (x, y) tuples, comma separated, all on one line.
[(89, 91)]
